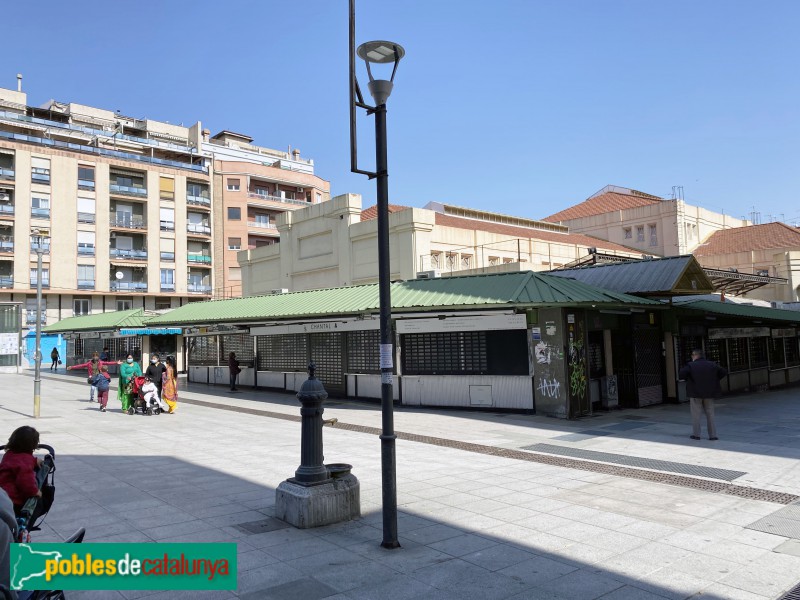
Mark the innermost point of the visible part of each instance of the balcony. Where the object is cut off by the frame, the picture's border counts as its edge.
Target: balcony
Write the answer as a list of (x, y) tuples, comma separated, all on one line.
[(6, 281), (168, 256), (84, 217), (44, 248), (198, 228), (45, 282), (127, 190), (203, 258), (278, 199), (198, 288), (199, 200), (128, 253), (6, 209), (7, 245), (30, 317), (85, 250), (167, 225), (86, 184), (167, 287), (40, 213), (85, 284), (128, 286), (126, 220), (7, 174), (41, 176), (262, 225)]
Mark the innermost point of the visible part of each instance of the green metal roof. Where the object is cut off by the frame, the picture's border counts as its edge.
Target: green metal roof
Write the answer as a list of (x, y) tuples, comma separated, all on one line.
[(492, 291), (134, 317), (742, 310)]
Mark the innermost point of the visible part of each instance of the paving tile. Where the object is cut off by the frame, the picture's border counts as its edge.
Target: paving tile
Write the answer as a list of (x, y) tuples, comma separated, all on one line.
[(463, 544), (469, 581), (497, 557), (581, 584)]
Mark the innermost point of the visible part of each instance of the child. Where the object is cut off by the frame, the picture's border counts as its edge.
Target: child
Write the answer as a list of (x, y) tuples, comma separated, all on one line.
[(150, 392), (102, 381), (92, 368), (17, 475)]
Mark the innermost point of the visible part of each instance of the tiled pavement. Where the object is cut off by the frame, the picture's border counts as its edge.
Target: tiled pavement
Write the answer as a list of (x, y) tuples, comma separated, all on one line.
[(471, 525)]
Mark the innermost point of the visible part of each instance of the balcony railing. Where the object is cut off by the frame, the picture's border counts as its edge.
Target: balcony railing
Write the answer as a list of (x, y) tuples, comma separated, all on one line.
[(168, 256), (30, 317), (201, 228), (84, 217), (6, 209), (127, 220), (268, 198), (86, 184), (40, 213), (199, 257), (128, 254), (129, 286), (40, 176), (85, 284), (198, 288), (167, 287), (6, 281), (44, 248), (7, 246), (262, 225), (45, 282), (86, 250), (6, 173), (127, 190), (198, 200), (167, 225)]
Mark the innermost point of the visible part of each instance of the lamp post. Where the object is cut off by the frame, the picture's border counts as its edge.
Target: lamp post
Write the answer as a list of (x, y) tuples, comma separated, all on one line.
[(39, 236), (380, 52)]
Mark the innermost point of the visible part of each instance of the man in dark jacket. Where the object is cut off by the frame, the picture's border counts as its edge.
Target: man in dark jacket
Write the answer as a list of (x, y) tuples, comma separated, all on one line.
[(702, 386)]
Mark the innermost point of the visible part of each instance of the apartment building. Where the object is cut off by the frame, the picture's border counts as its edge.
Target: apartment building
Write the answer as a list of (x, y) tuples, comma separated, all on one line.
[(126, 203), (252, 186)]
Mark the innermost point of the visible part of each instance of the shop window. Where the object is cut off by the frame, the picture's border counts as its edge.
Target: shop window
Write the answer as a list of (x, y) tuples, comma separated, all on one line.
[(777, 353), (287, 352), (790, 349), (465, 353), (241, 344), (361, 355), (759, 355), (203, 351), (737, 354)]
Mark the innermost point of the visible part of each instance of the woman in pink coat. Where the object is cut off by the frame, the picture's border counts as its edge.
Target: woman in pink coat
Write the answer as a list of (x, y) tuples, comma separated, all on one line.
[(93, 368)]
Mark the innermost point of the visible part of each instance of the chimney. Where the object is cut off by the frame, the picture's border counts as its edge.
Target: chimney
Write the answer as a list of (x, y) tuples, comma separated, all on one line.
[(206, 134), (296, 154), (19, 82)]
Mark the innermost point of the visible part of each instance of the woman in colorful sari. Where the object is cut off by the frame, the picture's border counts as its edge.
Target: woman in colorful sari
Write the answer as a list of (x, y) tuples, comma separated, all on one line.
[(127, 371), (169, 387)]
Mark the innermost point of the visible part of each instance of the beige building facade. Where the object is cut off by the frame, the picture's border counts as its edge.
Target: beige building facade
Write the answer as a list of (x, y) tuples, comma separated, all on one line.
[(651, 224), (334, 244), (115, 195)]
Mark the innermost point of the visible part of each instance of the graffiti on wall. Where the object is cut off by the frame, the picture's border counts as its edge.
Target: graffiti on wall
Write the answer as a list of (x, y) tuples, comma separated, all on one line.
[(549, 388), (576, 365)]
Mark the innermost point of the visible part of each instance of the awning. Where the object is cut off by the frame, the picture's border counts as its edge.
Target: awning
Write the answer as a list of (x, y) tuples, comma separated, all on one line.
[(151, 331)]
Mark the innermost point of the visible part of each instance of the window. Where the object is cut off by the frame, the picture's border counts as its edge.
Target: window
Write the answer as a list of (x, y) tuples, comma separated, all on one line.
[(319, 197), (45, 277), (40, 243), (234, 243), (653, 235), (85, 177), (234, 214), (167, 280), (124, 304), (627, 233), (451, 260), (167, 250), (85, 277), (40, 206), (81, 306), (494, 260), (436, 260), (262, 220), (166, 188), (640, 233), (86, 243), (260, 191), (167, 219), (233, 185), (235, 273), (466, 261), (465, 353), (40, 170), (361, 355), (86, 210), (777, 353), (283, 352), (163, 303), (204, 350)]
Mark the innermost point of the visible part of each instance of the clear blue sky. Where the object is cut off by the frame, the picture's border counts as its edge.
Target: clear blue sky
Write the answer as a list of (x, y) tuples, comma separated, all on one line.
[(522, 107)]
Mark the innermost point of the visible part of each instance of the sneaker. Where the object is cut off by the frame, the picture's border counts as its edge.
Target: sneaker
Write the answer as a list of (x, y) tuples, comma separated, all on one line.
[(102, 409), (695, 437), (714, 439)]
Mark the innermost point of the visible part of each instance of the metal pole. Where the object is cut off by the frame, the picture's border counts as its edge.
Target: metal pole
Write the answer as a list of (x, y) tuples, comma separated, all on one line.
[(37, 378), (388, 437)]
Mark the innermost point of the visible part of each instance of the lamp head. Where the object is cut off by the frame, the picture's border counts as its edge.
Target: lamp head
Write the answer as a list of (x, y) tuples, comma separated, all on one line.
[(380, 52)]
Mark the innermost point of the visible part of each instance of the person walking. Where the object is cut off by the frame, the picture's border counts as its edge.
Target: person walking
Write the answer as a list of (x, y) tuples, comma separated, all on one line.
[(702, 386), (102, 382), (155, 371), (92, 368), (233, 367), (127, 371), (105, 355), (55, 358), (169, 389)]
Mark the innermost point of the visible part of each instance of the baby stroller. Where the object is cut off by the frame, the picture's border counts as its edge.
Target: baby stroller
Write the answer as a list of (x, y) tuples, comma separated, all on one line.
[(29, 518), (143, 401)]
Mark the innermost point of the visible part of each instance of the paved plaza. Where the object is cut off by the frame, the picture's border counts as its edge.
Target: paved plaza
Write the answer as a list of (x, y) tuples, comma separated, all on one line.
[(491, 505)]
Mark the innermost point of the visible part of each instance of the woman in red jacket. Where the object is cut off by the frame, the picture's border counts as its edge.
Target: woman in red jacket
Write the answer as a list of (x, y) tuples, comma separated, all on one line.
[(17, 476), (93, 368)]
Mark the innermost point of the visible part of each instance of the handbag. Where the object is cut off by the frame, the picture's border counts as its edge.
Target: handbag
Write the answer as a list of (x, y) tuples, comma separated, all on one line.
[(59, 362)]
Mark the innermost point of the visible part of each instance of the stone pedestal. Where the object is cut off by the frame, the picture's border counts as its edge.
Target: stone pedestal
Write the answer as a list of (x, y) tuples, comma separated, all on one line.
[(304, 506)]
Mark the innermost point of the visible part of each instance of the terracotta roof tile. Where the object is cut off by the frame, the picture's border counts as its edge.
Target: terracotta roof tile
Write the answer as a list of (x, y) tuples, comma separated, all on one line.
[(597, 205), (372, 211), (749, 238), (524, 232)]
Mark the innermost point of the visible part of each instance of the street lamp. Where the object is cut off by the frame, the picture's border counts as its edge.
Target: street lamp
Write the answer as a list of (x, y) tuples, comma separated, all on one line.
[(380, 52), (39, 235)]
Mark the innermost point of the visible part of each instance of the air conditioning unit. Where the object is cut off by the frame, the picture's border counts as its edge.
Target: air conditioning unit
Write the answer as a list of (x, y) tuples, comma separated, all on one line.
[(279, 291), (433, 274), (301, 190), (4, 197)]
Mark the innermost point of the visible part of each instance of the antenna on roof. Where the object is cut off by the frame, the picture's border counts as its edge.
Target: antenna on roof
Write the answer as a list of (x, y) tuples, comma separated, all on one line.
[(755, 217), (677, 192)]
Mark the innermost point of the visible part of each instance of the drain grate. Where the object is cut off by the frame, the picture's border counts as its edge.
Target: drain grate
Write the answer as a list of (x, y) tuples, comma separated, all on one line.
[(784, 522), (792, 594), (641, 463)]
